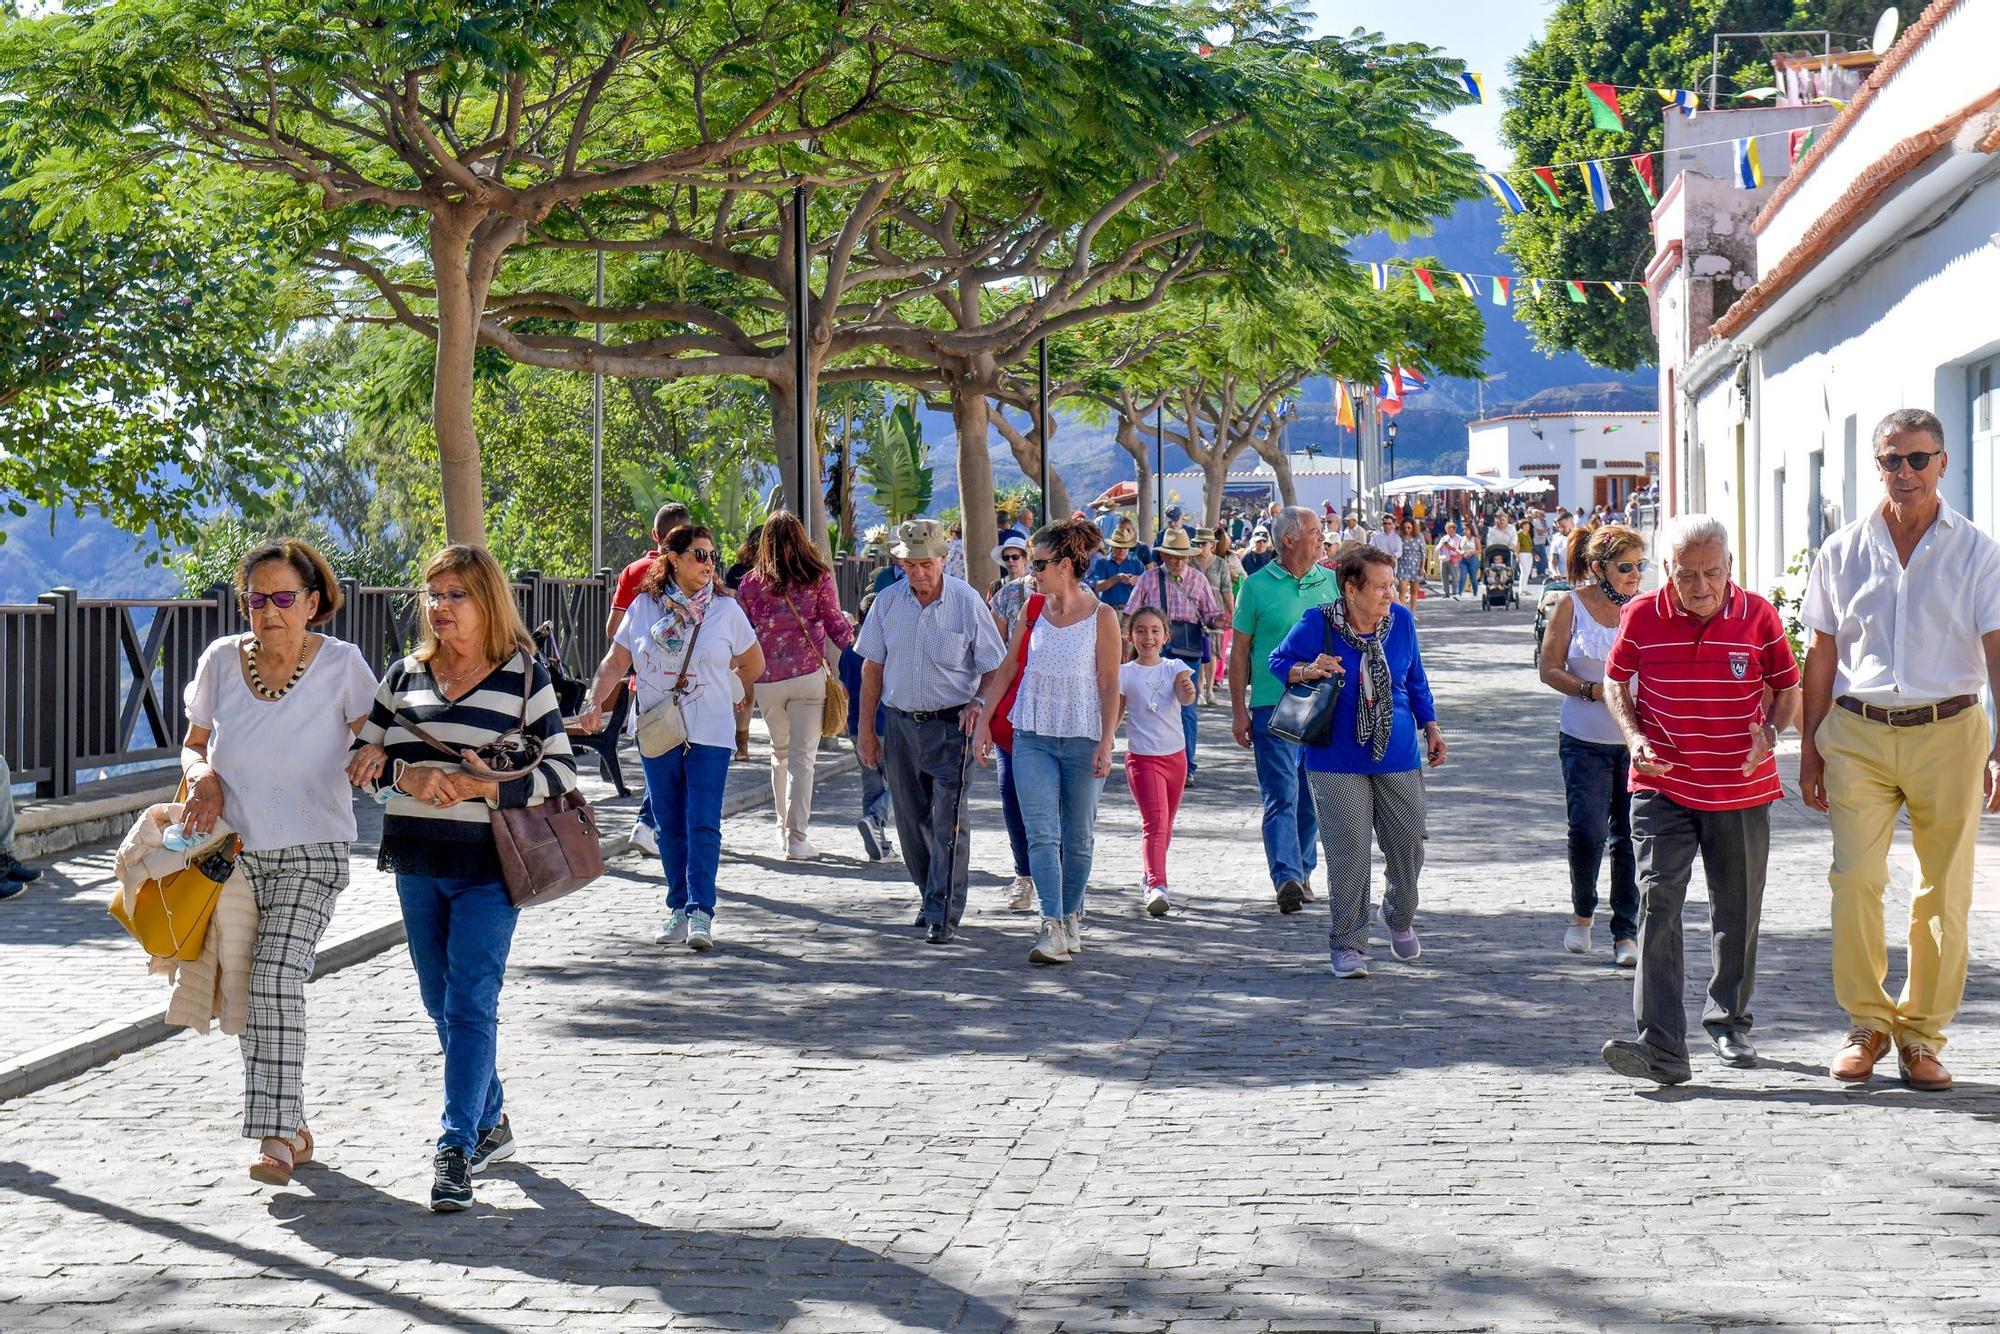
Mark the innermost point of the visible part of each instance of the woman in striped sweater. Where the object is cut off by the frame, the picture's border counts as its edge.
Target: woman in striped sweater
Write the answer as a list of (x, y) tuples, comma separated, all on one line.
[(464, 687)]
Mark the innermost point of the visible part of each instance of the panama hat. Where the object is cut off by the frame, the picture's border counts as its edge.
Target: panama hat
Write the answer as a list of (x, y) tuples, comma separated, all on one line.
[(1124, 539), (1174, 543), (1012, 542), (921, 539)]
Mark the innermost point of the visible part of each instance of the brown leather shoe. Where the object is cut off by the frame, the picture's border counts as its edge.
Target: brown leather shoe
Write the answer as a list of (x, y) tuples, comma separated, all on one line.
[(1921, 1069), (1856, 1059)]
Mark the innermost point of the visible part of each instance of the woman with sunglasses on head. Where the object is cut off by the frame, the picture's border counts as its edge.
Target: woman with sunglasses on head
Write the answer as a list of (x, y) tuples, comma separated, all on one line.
[(1605, 568), (271, 716), (682, 643), (473, 686)]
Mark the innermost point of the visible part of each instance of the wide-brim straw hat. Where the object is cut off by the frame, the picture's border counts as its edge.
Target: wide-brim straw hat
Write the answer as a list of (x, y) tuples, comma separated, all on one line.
[(1008, 544), (1174, 542), (921, 539), (1123, 540)]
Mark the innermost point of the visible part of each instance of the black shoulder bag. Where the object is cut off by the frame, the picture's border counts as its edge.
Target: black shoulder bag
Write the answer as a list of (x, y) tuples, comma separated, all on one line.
[(1305, 714)]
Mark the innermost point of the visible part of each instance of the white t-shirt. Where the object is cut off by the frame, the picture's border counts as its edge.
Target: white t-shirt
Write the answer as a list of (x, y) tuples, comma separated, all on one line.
[(282, 762), (1152, 712), (656, 665), (1387, 541)]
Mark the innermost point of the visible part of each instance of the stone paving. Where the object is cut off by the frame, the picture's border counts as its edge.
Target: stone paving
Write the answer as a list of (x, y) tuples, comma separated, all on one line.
[(827, 1124)]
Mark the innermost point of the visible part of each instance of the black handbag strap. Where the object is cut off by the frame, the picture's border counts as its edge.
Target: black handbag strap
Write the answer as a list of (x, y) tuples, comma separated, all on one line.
[(410, 725)]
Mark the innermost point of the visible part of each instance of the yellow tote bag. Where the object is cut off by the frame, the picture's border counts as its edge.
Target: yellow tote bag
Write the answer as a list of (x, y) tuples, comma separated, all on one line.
[(169, 916)]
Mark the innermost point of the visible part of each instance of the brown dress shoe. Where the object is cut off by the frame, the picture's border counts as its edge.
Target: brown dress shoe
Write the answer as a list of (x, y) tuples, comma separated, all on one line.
[(1921, 1069), (1856, 1059)]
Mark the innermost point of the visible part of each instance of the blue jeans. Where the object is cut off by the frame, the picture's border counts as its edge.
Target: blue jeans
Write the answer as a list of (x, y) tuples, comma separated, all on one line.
[(1188, 720), (1291, 824), (876, 808), (1600, 814), (646, 809), (1010, 809), (686, 786), (1468, 573), (460, 932), (1058, 795)]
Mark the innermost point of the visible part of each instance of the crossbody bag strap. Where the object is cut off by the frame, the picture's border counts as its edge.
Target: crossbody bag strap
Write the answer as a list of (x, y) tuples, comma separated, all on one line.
[(818, 644), (681, 684), (416, 729)]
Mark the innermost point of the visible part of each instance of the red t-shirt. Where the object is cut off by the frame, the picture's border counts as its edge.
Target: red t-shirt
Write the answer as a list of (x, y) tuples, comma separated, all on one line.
[(627, 591), (1701, 686)]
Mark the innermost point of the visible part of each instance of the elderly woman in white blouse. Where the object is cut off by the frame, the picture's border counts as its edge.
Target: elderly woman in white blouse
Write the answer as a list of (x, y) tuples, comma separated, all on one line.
[(271, 716)]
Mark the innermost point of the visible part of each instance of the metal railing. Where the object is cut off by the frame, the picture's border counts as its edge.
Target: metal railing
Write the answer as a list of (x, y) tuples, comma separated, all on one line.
[(89, 684)]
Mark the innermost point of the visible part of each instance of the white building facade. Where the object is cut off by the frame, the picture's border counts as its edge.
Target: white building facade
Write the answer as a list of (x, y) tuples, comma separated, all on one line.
[(1876, 286), (1588, 458)]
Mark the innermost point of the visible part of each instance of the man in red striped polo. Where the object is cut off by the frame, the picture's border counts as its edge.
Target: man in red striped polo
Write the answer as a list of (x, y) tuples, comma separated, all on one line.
[(1702, 681)]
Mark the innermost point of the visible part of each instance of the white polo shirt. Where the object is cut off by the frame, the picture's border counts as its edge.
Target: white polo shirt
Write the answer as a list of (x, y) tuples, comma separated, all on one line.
[(1907, 634)]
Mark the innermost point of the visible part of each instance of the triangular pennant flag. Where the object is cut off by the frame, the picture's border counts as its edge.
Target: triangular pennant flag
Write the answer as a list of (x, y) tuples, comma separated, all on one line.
[(1501, 288), (1576, 293), (1801, 142), (1604, 111), (1598, 185), (1688, 102), (1474, 85), (1749, 168), (1465, 285), (1535, 285), (1379, 275), (1344, 405), (1508, 197), (1425, 290), (1617, 290), (1643, 166), (1546, 178)]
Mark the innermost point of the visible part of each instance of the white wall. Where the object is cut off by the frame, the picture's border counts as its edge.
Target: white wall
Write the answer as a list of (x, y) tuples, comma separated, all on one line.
[(1508, 446)]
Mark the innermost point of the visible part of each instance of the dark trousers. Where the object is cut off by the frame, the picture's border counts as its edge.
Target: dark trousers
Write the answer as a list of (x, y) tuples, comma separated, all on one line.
[(1600, 815), (1734, 847), (925, 764), (1010, 810)]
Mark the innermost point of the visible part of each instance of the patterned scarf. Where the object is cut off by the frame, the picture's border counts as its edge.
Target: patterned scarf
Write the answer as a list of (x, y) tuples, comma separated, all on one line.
[(1374, 710), (1618, 599), (682, 612)]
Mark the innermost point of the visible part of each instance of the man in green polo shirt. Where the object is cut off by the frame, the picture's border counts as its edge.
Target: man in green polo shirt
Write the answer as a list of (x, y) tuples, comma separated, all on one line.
[(1269, 604)]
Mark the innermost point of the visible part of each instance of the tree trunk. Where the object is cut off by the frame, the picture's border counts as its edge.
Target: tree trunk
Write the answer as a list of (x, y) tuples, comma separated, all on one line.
[(801, 495), (459, 307), (1214, 477), (969, 415), (847, 477), (1142, 462)]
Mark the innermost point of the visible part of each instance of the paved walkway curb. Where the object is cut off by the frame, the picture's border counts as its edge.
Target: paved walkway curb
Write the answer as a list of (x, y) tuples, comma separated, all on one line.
[(117, 1037)]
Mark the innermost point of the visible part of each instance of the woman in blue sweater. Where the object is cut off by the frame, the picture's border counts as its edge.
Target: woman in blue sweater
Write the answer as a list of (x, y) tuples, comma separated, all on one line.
[(1369, 775)]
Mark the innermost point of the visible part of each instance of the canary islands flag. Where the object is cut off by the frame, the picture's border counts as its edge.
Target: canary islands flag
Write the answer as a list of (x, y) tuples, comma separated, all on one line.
[(1749, 168)]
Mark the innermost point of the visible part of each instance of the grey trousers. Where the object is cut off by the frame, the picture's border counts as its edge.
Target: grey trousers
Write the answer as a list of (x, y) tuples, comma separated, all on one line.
[(1357, 811), (925, 764), (1734, 848)]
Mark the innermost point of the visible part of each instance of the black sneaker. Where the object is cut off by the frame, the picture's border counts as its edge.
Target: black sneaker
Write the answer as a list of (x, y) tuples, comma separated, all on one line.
[(451, 1183), (14, 869), (1291, 896), (494, 1145), (871, 839)]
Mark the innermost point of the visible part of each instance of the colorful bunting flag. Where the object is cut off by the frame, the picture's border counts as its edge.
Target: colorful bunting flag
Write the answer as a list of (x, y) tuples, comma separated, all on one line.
[(1535, 285), (1391, 392), (1465, 285), (1604, 110), (1343, 411), (1643, 166), (1508, 197), (1576, 293), (1501, 289), (1800, 142), (1617, 290), (1414, 382), (1425, 290), (1379, 274), (1546, 178), (1749, 167), (1474, 85), (1688, 102), (1598, 185)]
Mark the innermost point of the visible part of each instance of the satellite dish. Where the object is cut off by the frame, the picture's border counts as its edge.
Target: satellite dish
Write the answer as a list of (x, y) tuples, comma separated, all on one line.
[(1885, 30)]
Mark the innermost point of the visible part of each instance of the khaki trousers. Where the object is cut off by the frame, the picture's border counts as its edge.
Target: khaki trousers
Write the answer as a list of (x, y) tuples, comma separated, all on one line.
[(1873, 771), (791, 711)]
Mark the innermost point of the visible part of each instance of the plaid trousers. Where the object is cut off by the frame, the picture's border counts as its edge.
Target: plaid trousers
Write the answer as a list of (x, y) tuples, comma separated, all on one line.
[(295, 888)]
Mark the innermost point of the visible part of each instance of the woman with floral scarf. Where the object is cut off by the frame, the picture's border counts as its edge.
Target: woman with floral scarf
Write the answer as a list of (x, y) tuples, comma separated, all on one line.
[(679, 636), (1368, 778)]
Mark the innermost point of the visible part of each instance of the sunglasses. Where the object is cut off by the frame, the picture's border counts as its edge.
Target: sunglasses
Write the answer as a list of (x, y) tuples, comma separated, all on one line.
[(1632, 566), (454, 597), (1042, 564), (701, 555), (1011, 556), (1918, 459), (284, 600)]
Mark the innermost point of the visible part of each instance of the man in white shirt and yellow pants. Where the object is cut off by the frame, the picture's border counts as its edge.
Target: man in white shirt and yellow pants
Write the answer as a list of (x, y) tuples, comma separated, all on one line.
[(1904, 611)]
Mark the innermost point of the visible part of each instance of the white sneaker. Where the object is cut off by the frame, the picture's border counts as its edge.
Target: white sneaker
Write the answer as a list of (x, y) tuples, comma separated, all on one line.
[(644, 839), (800, 850), (1073, 928), (1576, 939), (1051, 943), (1156, 900), (701, 932), (674, 930), (1625, 954), (1021, 894)]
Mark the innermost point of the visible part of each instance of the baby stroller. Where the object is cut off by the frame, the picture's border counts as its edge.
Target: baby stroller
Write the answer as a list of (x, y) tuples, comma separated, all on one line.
[(1554, 589), (569, 698), (1499, 575)]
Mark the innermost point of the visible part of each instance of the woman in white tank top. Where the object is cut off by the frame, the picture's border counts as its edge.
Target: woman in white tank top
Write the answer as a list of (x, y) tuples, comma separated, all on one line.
[(1605, 568), (1063, 716)]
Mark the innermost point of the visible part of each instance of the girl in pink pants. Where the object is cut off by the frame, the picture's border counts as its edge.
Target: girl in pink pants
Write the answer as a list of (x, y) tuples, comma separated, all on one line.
[(1153, 689)]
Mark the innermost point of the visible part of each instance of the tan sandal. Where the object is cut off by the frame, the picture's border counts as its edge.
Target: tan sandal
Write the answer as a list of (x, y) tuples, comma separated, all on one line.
[(272, 1170)]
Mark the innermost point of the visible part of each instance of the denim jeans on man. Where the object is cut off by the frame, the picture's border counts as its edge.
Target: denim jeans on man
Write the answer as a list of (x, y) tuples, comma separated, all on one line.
[(1188, 720), (876, 807), (459, 933), (1291, 825), (686, 785), (1059, 806), (1010, 810), (1600, 814)]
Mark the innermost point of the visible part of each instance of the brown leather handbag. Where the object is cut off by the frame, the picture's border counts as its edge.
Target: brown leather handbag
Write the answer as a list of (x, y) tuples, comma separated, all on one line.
[(548, 849)]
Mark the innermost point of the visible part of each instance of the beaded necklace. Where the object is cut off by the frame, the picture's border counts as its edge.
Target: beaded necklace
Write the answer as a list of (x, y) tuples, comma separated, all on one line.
[(263, 691)]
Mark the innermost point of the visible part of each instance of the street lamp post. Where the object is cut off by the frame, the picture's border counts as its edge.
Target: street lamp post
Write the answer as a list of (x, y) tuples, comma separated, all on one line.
[(801, 353), (597, 437), (1159, 464), (1390, 473), (1042, 418)]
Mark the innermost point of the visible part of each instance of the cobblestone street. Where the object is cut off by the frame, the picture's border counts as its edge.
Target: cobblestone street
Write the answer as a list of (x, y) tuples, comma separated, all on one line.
[(827, 1124)]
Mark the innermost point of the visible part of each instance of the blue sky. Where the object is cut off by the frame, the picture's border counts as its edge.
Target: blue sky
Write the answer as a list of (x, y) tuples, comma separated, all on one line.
[(1482, 33)]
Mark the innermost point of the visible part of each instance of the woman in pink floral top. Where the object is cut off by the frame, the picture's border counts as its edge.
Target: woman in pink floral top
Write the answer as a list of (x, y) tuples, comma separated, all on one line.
[(790, 599)]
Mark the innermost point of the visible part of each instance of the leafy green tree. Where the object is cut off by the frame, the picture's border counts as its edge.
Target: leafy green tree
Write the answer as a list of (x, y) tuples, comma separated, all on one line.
[(1645, 44)]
